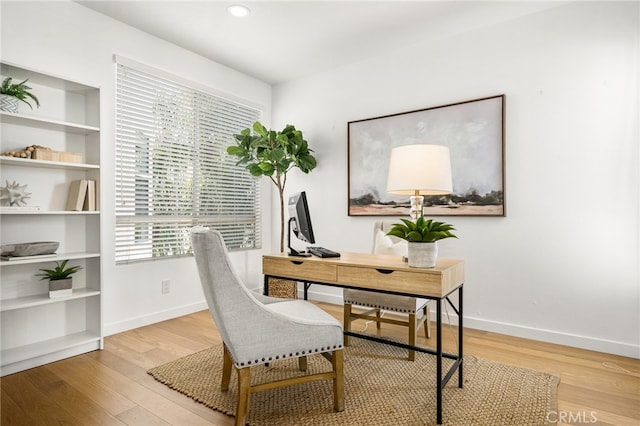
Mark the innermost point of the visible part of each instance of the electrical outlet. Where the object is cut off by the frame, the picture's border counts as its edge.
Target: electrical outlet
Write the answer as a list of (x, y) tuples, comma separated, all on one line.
[(166, 286)]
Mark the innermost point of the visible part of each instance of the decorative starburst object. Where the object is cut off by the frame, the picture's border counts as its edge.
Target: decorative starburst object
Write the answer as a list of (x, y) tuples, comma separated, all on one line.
[(13, 194)]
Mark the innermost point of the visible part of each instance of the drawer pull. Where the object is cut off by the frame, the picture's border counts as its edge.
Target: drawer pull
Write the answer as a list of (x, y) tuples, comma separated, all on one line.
[(297, 262), (385, 271)]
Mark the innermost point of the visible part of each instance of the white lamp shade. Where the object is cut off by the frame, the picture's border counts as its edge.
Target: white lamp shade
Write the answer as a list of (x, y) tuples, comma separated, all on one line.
[(422, 168)]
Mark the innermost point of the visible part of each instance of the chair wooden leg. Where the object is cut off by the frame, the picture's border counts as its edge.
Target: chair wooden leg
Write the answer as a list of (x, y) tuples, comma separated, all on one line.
[(337, 360), (346, 323), (244, 395), (302, 363), (413, 331), (427, 321), (227, 364), (378, 315)]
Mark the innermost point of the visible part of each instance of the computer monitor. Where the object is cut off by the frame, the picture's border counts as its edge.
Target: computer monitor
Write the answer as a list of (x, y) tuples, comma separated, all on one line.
[(299, 221)]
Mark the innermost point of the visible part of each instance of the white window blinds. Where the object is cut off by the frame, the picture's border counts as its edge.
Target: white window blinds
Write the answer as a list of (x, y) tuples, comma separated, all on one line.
[(172, 169)]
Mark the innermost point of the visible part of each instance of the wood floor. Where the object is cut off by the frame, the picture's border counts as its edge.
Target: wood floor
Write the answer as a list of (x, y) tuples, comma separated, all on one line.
[(111, 387)]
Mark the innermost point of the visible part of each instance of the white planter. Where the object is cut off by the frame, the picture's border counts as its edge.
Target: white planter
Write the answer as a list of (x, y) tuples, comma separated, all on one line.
[(8, 103), (60, 288), (423, 255)]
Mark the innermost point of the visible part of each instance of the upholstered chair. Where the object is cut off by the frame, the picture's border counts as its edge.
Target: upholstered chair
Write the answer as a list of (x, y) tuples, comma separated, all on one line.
[(257, 329), (416, 309)]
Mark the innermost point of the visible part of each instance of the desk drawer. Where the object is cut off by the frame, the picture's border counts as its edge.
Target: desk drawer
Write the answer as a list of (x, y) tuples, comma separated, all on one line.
[(417, 283), (300, 269)]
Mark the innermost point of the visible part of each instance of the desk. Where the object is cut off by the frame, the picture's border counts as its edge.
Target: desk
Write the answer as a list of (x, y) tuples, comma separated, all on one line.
[(383, 274)]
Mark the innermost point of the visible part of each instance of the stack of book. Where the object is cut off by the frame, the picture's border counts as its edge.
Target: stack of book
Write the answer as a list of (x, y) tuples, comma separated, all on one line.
[(82, 195)]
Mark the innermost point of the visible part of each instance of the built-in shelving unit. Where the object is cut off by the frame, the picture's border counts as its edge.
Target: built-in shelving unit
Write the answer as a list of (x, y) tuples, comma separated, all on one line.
[(37, 329)]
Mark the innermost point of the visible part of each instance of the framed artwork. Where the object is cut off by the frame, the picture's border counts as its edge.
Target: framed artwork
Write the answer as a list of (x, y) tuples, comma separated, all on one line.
[(473, 131)]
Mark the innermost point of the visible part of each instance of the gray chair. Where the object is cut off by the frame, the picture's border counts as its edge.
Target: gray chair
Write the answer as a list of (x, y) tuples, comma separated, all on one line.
[(257, 329), (377, 302)]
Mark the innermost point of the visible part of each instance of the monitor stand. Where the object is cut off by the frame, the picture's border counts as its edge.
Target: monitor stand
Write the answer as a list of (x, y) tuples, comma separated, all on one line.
[(296, 253), (292, 251)]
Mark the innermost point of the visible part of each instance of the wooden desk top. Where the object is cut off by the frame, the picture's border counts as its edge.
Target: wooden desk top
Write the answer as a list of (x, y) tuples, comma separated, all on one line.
[(369, 271)]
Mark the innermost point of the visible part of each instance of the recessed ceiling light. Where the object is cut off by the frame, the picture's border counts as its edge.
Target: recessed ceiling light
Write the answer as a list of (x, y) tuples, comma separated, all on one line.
[(238, 10)]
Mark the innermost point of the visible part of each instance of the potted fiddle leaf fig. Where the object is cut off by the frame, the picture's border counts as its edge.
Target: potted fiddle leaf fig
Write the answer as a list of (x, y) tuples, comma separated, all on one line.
[(273, 154), (422, 237), (11, 93), (60, 279)]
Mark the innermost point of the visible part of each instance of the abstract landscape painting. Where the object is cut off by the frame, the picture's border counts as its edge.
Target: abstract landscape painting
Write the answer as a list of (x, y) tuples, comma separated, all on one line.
[(473, 131)]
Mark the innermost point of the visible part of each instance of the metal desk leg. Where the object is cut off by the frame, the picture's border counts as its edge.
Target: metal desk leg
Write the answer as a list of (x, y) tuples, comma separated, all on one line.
[(460, 339), (266, 286), (306, 289), (439, 361)]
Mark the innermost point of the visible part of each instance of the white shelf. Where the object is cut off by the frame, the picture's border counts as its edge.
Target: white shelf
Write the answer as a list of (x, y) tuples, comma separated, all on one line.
[(44, 299), (28, 162), (57, 257), (13, 355), (46, 123)]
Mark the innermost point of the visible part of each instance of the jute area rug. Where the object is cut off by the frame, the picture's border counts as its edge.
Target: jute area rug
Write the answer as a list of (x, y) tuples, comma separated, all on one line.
[(381, 388)]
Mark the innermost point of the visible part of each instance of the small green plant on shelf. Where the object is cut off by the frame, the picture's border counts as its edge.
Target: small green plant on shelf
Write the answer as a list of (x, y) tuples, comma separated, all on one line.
[(18, 90), (60, 272)]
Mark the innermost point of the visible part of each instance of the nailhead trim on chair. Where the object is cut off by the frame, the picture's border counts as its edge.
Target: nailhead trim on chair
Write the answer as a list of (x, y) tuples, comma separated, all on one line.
[(297, 354)]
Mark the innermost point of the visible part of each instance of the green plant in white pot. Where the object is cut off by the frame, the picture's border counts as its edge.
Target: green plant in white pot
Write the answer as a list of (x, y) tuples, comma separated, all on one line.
[(273, 154), (60, 279), (422, 237), (11, 93)]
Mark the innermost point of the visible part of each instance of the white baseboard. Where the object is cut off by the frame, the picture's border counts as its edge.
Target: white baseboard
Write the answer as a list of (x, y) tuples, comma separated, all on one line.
[(550, 336), (141, 321)]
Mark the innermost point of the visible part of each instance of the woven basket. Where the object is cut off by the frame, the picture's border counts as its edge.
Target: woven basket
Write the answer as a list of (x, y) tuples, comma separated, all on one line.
[(285, 289)]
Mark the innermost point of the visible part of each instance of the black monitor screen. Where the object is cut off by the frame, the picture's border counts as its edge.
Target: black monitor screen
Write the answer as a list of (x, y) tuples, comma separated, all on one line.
[(299, 211)]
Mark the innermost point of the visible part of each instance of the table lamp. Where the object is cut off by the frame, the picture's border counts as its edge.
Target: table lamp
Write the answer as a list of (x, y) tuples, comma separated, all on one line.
[(419, 170)]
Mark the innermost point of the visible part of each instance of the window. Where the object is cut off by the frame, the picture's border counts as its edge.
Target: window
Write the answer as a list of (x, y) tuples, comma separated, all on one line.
[(172, 169)]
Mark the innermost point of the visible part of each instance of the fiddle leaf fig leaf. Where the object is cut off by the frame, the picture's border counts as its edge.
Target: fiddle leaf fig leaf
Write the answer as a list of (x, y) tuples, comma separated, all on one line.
[(306, 163), (255, 169), (277, 154), (235, 150), (258, 128)]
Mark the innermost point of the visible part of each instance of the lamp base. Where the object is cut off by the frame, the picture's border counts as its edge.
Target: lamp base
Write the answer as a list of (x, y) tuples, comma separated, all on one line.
[(417, 204)]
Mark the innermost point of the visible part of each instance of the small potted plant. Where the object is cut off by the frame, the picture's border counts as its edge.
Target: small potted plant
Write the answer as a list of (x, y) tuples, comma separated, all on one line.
[(422, 237), (60, 279), (11, 93)]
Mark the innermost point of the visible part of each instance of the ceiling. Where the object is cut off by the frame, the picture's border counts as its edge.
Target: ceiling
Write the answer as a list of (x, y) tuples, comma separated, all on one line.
[(285, 40)]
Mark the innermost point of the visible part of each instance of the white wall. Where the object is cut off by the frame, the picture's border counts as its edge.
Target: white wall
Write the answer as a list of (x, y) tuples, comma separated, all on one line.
[(69, 40), (563, 265)]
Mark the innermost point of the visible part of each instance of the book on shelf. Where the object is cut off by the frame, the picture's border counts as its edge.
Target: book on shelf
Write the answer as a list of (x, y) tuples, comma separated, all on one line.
[(82, 195), (77, 194), (90, 197), (9, 257)]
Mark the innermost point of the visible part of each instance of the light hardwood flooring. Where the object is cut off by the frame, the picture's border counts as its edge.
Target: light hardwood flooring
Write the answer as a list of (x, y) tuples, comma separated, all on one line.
[(111, 387)]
